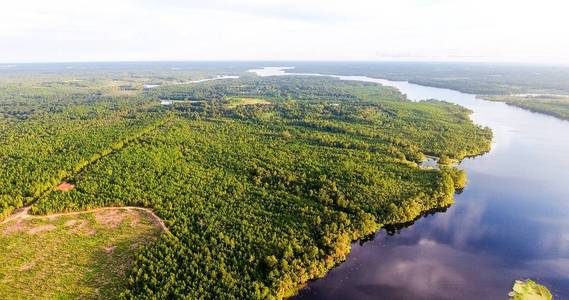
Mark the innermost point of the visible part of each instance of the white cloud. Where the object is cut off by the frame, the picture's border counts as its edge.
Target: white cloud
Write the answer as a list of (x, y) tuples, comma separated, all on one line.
[(65, 30)]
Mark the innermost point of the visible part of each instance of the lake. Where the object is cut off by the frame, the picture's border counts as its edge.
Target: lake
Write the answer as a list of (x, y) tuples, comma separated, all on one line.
[(511, 221)]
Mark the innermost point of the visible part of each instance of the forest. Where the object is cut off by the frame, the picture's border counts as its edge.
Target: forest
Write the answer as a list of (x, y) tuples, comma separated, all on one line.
[(538, 88), (472, 78), (553, 105), (262, 182)]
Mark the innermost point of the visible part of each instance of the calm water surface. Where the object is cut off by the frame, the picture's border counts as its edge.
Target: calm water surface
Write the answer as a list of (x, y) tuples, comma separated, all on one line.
[(511, 222)]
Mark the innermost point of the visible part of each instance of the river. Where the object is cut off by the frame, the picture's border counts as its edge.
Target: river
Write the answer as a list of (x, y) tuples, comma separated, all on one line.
[(511, 221)]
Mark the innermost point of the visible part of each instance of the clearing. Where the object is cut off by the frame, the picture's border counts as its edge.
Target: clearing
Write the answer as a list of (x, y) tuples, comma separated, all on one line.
[(65, 186), (247, 101), (76, 255)]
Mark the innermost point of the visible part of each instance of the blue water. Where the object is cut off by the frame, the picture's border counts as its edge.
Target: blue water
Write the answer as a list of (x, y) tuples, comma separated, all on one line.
[(511, 222)]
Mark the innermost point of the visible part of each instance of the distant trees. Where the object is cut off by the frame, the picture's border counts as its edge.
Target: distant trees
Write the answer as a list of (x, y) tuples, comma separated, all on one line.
[(550, 105)]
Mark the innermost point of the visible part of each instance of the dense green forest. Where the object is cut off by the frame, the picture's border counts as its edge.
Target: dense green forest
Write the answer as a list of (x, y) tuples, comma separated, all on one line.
[(557, 106), (473, 78), (542, 89), (259, 195)]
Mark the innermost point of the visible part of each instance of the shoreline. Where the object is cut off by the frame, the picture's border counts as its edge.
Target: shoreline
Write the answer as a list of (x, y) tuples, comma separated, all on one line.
[(389, 227)]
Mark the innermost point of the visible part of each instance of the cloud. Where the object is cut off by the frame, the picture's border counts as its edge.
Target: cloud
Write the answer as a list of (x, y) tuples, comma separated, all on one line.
[(295, 10), (34, 30)]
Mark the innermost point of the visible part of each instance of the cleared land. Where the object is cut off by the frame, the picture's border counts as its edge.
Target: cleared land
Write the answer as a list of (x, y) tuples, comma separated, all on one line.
[(72, 255), (65, 186), (247, 101)]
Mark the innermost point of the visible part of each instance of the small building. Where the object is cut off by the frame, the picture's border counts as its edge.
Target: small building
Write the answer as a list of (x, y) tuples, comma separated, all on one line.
[(150, 86)]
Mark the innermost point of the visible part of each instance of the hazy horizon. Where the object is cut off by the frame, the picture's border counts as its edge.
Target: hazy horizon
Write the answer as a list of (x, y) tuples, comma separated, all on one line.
[(6, 65), (510, 31)]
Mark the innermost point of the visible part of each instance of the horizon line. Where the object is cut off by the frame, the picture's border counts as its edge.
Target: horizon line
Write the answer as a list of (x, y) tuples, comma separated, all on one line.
[(534, 63)]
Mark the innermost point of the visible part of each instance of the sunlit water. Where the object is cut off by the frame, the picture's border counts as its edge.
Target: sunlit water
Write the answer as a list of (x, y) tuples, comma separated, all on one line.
[(511, 222)]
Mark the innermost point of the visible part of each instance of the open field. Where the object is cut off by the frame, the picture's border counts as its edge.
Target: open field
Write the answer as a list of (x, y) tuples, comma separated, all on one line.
[(82, 255), (247, 101)]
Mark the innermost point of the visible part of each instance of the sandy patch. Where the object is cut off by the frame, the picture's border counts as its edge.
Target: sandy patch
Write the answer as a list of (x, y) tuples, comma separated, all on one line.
[(52, 218), (134, 219), (110, 218), (18, 226), (70, 223), (109, 249), (41, 228), (24, 226), (81, 227), (65, 186), (27, 266)]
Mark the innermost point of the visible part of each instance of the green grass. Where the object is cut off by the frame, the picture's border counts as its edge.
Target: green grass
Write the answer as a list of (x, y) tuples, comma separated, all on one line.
[(247, 101), (70, 261)]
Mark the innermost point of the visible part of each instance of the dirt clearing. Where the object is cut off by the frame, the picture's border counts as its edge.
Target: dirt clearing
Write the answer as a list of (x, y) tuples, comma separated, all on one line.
[(18, 226), (65, 186), (74, 255), (110, 218), (41, 228)]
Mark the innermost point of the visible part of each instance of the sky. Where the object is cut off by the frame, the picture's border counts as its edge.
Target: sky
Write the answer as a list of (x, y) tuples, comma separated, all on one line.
[(368, 30)]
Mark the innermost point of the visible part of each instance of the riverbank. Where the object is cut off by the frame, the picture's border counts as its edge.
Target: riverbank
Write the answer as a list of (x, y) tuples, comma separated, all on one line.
[(555, 106), (484, 242), (409, 211)]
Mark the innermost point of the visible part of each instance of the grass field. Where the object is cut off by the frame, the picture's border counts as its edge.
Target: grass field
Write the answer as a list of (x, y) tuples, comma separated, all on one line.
[(74, 256), (247, 101)]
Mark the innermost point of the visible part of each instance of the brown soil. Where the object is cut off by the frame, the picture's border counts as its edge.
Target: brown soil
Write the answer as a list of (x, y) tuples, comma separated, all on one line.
[(110, 218), (65, 186), (27, 266), (70, 223), (81, 227), (41, 228), (109, 249), (18, 226), (135, 219)]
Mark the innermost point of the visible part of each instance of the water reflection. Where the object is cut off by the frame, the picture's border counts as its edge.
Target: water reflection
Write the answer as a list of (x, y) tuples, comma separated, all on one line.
[(396, 228), (511, 221)]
